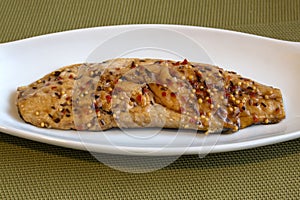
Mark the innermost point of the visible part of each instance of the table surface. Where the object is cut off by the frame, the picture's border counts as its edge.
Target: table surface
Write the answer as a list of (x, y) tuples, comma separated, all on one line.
[(32, 170)]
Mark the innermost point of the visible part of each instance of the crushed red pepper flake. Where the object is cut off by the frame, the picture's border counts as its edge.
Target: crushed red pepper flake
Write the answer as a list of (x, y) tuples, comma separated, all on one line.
[(108, 98), (139, 98)]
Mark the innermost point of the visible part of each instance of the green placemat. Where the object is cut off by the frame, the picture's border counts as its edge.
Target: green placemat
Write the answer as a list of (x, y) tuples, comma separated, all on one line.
[(31, 170)]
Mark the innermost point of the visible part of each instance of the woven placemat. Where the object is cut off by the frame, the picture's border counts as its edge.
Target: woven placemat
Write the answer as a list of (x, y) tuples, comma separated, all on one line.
[(32, 170)]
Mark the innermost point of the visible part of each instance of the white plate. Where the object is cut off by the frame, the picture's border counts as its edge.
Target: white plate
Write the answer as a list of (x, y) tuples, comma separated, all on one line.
[(269, 61)]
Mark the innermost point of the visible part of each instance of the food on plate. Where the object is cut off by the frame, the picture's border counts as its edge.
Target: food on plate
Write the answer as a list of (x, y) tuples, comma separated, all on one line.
[(137, 93)]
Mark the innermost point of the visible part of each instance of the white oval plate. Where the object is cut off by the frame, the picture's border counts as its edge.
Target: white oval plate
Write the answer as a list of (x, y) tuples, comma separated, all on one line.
[(269, 61)]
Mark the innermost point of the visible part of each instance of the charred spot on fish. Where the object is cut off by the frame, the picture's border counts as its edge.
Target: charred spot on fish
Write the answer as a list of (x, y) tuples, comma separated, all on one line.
[(109, 112), (102, 122), (57, 73), (58, 95), (132, 65), (99, 88), (263, 104)]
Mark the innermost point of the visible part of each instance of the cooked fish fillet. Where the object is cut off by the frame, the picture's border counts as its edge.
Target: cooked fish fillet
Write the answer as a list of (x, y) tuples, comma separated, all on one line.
[(133, 93)]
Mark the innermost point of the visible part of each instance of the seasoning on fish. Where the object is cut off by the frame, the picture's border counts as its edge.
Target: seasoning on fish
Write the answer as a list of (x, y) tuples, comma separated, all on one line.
[(135, 93)]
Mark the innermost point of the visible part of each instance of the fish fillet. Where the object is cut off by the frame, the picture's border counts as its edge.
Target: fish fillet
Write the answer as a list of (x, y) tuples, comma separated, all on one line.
[(137, 93)]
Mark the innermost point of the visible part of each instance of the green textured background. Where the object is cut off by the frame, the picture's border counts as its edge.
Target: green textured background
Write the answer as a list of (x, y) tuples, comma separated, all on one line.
[(31, 170)]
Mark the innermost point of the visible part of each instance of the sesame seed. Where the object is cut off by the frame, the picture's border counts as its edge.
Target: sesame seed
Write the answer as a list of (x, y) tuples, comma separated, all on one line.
[(236, 128), (191, 77), (202, 116), (81, 95), (211, 106), (200, 100), (201, 87), (183, 78), (192, 95), (209, 114), (37, 113), (266, 121), (186, 126), (266, 97), (208, 90), (193, 90), (89, 125), (239, 83), (114, 115), (237, 101), (63, 92), (86, 92), (110, 89), (114, 96), (39, 81), (42, 124), (236, 92), (230, 109), (122, 98)]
